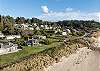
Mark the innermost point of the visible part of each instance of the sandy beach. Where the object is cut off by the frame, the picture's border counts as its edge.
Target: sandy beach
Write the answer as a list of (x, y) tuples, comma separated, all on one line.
[(84, 60)]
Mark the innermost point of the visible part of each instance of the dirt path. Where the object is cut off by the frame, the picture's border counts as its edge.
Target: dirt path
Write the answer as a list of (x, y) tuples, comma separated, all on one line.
[(84, 60)]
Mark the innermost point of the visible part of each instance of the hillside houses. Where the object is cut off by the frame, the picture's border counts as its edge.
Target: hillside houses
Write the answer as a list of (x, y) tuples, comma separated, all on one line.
[(24, 26), (35, 40), (35, 26), (6, 46), (63, 30), (8, 37), (32, 27)]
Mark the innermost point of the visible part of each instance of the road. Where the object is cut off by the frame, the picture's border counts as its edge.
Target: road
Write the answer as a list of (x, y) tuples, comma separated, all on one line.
[(84, 60)]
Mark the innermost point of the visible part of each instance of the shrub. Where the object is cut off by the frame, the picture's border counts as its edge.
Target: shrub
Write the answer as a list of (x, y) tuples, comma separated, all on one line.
[(45, 41), (20, 42)]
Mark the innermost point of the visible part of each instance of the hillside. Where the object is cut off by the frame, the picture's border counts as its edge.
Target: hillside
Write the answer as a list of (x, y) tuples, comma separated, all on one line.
[(77, 34)]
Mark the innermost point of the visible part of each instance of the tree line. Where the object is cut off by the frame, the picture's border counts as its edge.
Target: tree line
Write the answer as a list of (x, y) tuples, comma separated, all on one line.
[(7, 24)]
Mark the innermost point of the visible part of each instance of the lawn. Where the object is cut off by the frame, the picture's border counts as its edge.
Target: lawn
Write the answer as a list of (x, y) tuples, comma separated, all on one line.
[(27, 50)]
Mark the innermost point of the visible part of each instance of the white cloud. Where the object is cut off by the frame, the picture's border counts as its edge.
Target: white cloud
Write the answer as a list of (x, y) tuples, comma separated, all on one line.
[(70, 14), (69, 9), (98, 14), (45, 9)]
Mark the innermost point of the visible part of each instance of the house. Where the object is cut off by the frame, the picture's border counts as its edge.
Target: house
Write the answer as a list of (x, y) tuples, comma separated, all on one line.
[(24, 26), (39, 37), (10, 37), (56, 31), (37, 28), (30, 28), (42, 26), (18, 26), (64, 33), (50, 27), (7, 47), (35, 24), (32, 42), (46, 27), (68, 30), (1, 35), (43, 37)]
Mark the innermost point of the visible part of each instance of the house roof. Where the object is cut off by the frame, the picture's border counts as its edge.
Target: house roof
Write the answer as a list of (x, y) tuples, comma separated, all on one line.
[(4, 41)]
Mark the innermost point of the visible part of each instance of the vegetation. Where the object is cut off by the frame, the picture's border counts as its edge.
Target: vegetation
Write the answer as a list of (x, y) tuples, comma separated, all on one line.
[(48, 41), (26, 51), (7, 25), (51, 49), (37, 54), (36, 58)]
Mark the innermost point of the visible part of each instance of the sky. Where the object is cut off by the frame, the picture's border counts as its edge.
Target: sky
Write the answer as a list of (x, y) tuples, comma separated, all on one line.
[(52, 10)]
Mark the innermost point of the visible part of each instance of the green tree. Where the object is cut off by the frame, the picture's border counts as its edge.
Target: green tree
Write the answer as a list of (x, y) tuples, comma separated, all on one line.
[(1, 23)]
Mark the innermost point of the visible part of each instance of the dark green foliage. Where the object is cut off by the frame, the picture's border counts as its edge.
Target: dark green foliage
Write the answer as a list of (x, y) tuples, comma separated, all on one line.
[(52, 52), (7, 25), (80, 24), (20, 42)]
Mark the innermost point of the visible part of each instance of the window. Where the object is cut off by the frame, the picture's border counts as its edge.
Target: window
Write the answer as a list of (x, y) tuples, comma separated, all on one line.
[(0, 45)]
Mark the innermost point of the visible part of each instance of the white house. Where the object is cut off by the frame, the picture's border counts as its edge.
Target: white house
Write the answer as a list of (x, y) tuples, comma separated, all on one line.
[(42, 26), (64, 33), (7, 47), (1, 35), (50, 27), (68, 30), (12, 37), (42, 37), (31, 28), (46, 27), (24, 26), (37, 28), (56, 31), (35, 24)]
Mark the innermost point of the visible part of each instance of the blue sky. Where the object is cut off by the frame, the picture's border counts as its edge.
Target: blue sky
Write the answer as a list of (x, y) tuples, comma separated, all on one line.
[(51, 9)]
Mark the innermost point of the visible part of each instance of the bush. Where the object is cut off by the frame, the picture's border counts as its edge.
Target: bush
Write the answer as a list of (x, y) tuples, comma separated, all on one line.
[(45, 41), (80, 33), (20, 42)]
